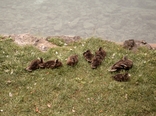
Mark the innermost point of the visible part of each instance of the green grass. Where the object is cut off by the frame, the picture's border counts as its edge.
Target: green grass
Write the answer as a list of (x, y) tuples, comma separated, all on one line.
[(57, 41), (79, 90)]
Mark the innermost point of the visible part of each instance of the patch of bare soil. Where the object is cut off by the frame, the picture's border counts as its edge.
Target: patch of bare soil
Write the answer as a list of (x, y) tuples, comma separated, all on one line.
[(40, 42)]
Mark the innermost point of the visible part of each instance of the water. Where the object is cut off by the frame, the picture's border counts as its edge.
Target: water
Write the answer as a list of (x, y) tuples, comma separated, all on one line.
[(116, 20)]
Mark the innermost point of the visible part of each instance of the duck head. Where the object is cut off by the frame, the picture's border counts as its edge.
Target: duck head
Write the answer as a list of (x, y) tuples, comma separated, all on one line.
[(57, 64), (101, 53)]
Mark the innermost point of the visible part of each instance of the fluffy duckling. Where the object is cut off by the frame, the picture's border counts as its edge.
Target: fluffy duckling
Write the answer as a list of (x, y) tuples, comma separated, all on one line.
[(132, 44), (88, 56), (121, 77), (51, 64), (129, 44), (96, 61), (72, 60), (101, 53), (34, 64), (124, 64)]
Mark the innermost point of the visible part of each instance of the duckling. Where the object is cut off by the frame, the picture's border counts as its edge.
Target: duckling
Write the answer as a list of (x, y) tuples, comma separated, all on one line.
[(34, 64), (121, 77), (133, 45), (129, 44), (88, 56), (51, 64), (124, 63), (101, 53), (96, 61), (72, 60)]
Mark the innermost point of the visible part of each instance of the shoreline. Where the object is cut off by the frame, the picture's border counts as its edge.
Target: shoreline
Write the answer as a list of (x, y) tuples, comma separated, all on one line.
[(43, 44), (153, 45)]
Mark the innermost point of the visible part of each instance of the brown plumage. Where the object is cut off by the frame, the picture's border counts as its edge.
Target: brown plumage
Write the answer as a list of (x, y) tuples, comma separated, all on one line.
[(34, 64), (51, 64), (124, 64), (88, 56), (129, 44), (72, 60), (121, 77), (101, 53), (96, 61), (132, 44)]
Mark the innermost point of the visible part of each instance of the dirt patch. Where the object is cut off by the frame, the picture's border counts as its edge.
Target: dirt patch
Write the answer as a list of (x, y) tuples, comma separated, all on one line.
[(40, 42)]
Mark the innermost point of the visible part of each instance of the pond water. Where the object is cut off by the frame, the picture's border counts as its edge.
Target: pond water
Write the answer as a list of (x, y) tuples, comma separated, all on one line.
[(115, 20)]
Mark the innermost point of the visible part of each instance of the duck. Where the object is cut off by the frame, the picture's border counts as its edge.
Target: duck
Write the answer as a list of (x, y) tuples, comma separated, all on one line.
[(72, 60), (96, 61), (101, 53), (129, 44), (35, 64), (88, 56), (133, 45), (121, 77), (51, 64), (123, 64)]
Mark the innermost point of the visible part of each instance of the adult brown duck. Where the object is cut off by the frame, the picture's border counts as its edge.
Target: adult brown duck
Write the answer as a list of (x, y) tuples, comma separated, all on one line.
[(124, 64), (35, 64)]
